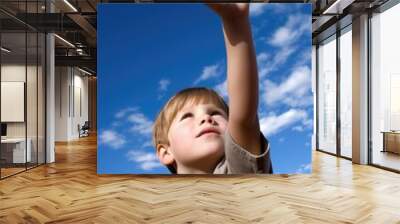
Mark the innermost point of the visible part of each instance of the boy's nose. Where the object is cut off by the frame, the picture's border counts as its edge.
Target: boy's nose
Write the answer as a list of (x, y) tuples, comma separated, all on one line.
[(207, 118)]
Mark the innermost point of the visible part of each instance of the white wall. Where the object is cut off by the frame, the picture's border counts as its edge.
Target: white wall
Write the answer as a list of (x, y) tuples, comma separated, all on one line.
[(61, 103), (79, 117), (70, 83), (13, 72)]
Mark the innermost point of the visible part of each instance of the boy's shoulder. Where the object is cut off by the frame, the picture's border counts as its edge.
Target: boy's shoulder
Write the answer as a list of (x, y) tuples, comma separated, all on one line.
[(238, 160)]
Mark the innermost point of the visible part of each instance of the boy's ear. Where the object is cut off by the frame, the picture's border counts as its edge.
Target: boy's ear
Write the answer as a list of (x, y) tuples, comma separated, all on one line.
[(164, 155)]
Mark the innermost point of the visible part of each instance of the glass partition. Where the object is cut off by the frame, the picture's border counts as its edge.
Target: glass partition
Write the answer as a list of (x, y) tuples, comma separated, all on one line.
[(31, 85), (31, 100), (13, 109), (22, 88), (41, 109)]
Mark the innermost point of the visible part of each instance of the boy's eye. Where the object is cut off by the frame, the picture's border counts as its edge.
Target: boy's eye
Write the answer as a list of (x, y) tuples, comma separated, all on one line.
[(186, 115), (216, 113)]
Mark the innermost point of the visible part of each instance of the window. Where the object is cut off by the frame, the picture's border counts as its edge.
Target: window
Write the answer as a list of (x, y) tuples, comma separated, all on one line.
[(385, 88), (327, 95), (346, 92)]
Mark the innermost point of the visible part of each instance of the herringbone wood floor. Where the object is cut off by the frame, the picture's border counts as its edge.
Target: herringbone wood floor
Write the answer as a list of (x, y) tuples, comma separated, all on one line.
[(70, 191)]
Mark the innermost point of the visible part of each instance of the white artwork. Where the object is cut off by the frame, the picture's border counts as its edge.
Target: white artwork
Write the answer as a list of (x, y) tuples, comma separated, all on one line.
[(12, 101)]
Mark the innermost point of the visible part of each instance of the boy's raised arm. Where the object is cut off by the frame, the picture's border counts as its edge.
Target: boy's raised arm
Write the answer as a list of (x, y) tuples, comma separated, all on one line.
[(242, 74)]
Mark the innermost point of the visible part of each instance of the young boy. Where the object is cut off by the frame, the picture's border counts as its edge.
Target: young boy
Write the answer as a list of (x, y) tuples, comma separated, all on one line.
[(196, 133)]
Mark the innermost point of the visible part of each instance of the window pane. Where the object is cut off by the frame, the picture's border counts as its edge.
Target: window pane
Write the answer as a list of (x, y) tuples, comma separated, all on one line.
[(327, 96), (345, 92)]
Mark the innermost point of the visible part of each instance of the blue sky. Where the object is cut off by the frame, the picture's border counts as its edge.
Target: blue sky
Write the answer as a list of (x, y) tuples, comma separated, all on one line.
[(148, 52)]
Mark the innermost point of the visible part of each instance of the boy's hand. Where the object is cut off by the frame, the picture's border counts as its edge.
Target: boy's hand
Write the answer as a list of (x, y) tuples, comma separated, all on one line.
[(230, 10)]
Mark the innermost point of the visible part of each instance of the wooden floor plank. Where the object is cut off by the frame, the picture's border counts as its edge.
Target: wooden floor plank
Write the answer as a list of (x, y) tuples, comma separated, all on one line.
[(70, 191)]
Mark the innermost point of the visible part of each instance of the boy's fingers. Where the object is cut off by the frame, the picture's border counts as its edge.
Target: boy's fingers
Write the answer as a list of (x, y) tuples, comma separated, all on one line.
[(214, 6), (227, 9)]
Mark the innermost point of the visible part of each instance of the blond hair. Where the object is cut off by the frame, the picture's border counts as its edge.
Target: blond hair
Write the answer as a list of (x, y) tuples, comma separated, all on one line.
[(175, 104)]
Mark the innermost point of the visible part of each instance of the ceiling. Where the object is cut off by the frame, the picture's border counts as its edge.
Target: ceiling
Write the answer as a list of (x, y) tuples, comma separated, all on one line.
[(332, 15), (76, 22), (72, 20)]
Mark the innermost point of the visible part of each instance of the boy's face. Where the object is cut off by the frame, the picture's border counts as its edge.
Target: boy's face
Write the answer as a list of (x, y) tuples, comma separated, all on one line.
[(196, 135)]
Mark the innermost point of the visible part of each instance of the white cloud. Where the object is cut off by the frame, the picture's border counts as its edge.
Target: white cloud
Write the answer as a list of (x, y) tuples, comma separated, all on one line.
[(266, 64), (257, 9), (308, 123), (163, 84), (123, 112), (263, 58), (222, 89), (298, 128), (284, 39), (304, 58), (280, 8), (163, 87), (112, 138), (294, 91), (146, 160), (208, 72), (148, 143), (304, 168), (141, 124), (294, 28), (273, 124), (150, 165), (141, 128), (282, 55), (116, 123)]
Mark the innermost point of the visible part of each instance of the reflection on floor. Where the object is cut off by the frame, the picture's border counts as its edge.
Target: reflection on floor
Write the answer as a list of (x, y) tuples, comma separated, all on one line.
[(386, 159), (10, 169)]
